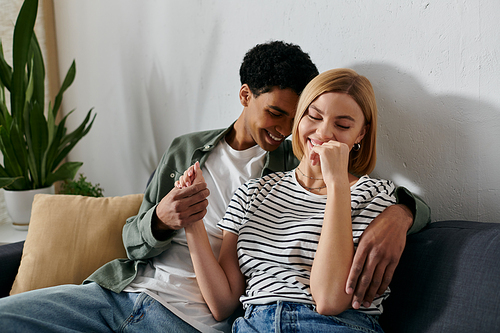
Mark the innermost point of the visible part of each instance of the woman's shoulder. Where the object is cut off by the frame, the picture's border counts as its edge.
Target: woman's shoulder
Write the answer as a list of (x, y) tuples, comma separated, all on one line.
[(263, 185), (373, 186), (371, 196), (269, 179)]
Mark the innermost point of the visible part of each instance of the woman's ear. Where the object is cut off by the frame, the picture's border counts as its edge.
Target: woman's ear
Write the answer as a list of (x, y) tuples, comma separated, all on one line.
[(245, 95), (363, 132)]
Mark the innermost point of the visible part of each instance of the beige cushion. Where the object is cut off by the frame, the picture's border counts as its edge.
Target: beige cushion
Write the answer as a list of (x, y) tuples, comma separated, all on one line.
[(70, 236)]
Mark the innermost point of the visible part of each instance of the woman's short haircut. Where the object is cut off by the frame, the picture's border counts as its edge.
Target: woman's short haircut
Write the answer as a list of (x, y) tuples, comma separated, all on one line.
[(346, 81)]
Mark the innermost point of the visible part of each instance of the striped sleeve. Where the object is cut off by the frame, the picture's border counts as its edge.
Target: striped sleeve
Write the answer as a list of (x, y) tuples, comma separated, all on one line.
[(369, 198)]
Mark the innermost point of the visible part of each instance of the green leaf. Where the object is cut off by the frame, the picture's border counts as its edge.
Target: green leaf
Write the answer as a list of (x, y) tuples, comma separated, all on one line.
[(30, 87), (38, 141), (5, 70), (20, 149), (20, 51), (68, 80), (7, 181), (51, 123), (13, 183), (3, 172), (5, 80), (38, 72), (5, 118), (9, 155), (20, 184), (66, 171), (70, 140), (54, 146)]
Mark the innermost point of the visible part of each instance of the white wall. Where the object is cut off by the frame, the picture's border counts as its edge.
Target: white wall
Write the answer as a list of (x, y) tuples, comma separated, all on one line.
[(157, 69)]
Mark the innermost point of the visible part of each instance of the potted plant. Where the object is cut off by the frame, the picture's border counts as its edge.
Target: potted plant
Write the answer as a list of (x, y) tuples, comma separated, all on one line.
[(81, 187), (33, 145)]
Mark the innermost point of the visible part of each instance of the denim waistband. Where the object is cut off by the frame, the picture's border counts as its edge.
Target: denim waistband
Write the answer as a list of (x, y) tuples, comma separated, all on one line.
[(285, 315), (281, 304)]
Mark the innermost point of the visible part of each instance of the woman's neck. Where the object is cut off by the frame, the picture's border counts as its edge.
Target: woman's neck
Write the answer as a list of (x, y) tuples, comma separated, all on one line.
[(311, 178)]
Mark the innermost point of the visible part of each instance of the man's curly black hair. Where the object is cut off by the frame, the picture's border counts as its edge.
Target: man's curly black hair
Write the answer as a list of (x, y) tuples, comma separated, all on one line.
[(276, 64)]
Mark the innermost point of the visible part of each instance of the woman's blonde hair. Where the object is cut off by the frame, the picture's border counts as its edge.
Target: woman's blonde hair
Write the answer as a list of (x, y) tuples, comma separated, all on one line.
[(343, 80)]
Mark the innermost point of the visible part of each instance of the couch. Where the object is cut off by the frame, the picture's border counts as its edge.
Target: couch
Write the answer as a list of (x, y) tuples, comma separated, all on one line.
[(447, 279)]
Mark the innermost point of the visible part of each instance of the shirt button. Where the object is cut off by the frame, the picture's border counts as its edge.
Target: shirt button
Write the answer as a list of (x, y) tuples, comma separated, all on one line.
[(207, 147), (172, 175)]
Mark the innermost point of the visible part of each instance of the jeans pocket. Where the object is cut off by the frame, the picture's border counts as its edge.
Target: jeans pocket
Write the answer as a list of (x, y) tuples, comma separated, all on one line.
[(257, 318), (141, 306), (248, 311)]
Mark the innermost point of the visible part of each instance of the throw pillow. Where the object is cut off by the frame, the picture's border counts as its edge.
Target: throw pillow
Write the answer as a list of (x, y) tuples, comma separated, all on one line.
[(70, 236)]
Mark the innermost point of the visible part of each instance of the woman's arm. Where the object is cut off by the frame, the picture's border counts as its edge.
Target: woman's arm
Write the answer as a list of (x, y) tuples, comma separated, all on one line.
[(334, 255), (221, 282), (335, 251)]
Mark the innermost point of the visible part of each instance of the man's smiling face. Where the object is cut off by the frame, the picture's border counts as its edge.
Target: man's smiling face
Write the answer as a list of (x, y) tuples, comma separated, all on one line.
[(269, 117)]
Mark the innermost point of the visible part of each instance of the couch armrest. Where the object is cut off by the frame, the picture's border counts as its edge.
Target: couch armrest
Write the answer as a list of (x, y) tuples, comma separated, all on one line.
[(10, 257)]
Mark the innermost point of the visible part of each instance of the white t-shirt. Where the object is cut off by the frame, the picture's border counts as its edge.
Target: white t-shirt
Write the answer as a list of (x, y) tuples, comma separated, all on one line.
[(169, 277)]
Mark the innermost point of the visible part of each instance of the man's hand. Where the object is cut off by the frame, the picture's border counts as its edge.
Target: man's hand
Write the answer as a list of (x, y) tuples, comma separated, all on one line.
[(180, 208), (378, 253)]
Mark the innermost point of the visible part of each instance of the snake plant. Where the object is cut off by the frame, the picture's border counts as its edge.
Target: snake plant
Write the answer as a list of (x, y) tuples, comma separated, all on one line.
[(33, 145)]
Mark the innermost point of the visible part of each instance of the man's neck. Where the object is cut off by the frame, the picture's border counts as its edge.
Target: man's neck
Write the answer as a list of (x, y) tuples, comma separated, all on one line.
[(238, 138)]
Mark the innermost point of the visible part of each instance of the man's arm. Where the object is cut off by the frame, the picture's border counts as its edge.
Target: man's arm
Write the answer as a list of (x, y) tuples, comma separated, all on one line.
[(420, 211), (382, 245)]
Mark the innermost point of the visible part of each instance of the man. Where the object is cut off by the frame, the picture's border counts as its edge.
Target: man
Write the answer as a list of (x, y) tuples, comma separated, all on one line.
[(155, 289)]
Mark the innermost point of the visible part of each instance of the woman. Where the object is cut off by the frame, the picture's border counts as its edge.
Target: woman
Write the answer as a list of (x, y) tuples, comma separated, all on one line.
[(289, 238)]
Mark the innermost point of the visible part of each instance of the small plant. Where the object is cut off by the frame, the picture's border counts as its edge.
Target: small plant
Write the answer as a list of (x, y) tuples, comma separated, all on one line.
[(81, 187)]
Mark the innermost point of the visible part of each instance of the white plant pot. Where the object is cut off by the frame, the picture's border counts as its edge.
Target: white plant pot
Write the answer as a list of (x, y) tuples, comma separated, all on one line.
[(19, 203)]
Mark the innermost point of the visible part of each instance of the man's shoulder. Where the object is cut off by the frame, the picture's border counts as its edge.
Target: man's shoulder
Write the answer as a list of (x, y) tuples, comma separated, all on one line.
[(286, 146), (200, 136), (282, 158), (187, 143)]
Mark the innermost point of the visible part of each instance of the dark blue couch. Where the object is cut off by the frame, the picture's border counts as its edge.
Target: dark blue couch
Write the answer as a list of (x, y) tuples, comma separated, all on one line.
[(448, 280)]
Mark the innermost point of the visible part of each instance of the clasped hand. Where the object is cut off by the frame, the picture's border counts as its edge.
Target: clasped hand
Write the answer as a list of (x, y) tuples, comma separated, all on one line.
[(185, 204), (193, 175)]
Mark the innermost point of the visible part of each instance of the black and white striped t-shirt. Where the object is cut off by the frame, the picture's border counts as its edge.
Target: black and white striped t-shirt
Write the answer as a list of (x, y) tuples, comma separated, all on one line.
[(278, 224)]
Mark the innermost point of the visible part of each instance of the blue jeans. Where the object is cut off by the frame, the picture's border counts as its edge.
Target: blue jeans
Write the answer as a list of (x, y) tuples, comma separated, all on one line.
[(296, 317), (86, 308)]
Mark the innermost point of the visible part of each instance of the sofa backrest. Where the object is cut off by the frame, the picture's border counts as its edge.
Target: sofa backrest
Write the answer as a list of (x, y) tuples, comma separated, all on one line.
[(448, 280)]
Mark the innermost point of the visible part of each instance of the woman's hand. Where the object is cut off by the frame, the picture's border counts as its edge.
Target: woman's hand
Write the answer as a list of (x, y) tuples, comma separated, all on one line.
[(333, 156), (183, 205), (193, 175)]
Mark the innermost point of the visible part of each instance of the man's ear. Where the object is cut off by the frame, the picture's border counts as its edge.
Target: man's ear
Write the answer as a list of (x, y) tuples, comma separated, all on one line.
[(245, 95)]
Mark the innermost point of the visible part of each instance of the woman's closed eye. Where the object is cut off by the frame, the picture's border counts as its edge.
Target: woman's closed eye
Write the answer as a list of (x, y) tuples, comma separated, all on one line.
[(314, 118), (314, 115), (346, 127)]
